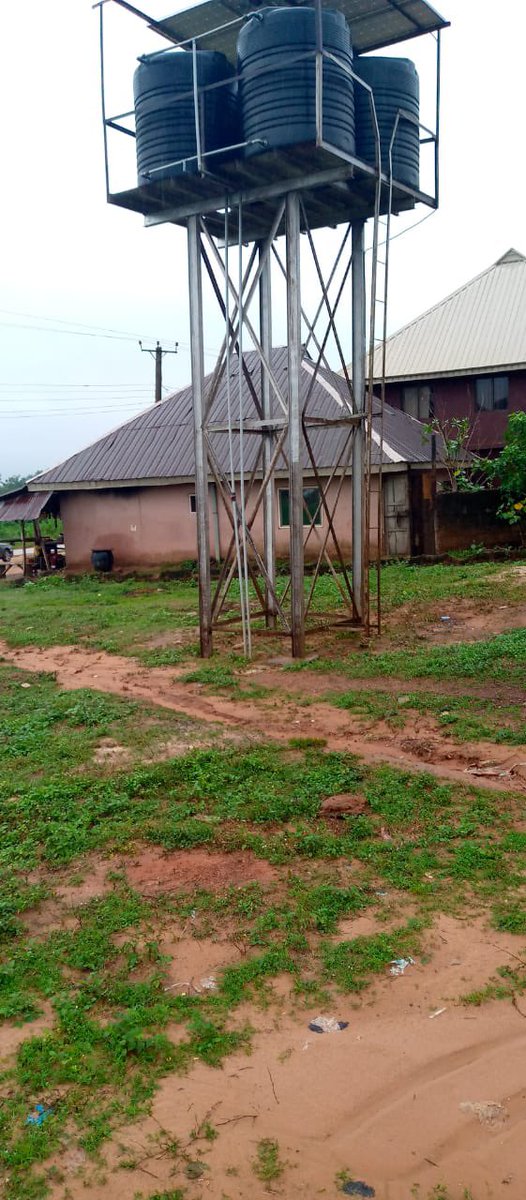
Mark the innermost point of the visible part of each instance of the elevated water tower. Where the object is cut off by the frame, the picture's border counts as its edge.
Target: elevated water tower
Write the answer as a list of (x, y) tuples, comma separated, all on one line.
[(254, 124)]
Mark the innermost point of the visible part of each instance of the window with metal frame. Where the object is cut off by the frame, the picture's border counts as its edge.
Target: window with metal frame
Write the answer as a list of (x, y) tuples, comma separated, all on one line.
[(312, 507), (416, 401), (192, 502), (491, 393)]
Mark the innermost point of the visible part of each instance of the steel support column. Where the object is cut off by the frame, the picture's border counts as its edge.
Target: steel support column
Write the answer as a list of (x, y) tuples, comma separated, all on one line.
[(295, 429), (358, 383), (265, 324), (201, 464)]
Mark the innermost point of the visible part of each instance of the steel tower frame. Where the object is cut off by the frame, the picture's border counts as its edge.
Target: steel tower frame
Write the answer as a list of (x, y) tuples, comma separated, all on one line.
[(256, 201)]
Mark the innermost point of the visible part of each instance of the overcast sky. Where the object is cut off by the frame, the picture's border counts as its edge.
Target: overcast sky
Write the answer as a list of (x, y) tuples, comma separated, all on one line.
[(72, 262)]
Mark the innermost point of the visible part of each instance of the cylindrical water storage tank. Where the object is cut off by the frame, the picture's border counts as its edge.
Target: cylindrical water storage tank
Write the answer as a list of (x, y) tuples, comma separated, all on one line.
[(164, 111), (278, 94), (102, 560), (394, 82)]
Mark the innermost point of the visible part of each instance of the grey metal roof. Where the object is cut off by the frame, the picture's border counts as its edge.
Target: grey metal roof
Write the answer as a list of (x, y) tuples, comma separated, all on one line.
[(157, 446), (373, 23), (481, 327), (23, 506)]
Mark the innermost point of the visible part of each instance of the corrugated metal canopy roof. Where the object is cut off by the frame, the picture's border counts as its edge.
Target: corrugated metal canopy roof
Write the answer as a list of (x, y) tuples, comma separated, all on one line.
[(479, 328), (158, 445), (23, 505), (373, 23)]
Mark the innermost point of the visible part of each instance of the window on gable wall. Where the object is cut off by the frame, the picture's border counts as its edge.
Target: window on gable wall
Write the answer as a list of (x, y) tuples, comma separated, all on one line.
[(416, 401), (491, 393)]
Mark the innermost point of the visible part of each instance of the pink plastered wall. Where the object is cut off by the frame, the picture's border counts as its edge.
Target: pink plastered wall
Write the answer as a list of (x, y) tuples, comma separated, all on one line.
[(150, 527)]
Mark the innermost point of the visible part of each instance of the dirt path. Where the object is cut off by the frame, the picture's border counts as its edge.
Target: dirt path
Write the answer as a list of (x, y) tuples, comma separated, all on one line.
[(418, 746), (396, 1099)]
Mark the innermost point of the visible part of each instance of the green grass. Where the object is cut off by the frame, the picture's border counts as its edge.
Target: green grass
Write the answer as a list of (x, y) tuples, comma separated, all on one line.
[(465, 718), (350, 964), (511, 917), (46, 732), (100, 614), (124, 617), (405, 584), (501, 659), (100, 979), (267, 1165), (107, 1047)]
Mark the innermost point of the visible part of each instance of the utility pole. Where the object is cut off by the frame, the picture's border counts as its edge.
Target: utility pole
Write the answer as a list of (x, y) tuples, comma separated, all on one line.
[(157, 354)]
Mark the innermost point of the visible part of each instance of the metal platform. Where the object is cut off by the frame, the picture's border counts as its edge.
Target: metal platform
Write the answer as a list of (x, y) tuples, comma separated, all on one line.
[(334, 191)]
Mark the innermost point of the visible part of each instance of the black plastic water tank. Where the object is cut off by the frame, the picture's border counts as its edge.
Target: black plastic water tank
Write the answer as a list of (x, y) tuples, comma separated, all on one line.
[(278, 95), (102, 560), (394, 82), (164, 111)]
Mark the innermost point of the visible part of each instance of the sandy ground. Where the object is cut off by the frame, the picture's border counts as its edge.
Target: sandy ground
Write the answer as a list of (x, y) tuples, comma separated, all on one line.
[(407, 1094), (420, 744), (419, 1090)]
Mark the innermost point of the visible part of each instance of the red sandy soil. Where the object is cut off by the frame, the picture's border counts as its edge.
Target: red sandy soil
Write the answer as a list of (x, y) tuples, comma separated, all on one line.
[(155, 871), (396, 1099), (279, 718), (468, 621)]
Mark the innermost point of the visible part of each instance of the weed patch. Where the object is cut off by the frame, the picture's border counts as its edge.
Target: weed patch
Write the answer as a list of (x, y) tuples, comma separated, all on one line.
[(267, 1165), (350, 964), (465, 718), (503, 656)]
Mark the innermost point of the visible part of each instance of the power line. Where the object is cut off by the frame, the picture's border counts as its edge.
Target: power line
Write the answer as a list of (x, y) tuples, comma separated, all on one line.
[(80, 329), (43, 401), (128, 387), (77, 412), (110, 337), (61, 321)]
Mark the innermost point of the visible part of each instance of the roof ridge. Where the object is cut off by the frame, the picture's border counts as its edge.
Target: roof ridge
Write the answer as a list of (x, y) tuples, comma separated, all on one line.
[(457, 292), (511, 256)]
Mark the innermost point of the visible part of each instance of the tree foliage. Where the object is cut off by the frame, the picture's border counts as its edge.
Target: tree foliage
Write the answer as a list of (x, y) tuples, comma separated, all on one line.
[(12, 482), (461, 464), (508, 471)]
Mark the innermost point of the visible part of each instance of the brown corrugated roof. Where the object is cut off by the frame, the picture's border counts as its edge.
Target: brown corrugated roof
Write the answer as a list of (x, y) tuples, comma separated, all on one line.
[(157, 446), (23, 506)]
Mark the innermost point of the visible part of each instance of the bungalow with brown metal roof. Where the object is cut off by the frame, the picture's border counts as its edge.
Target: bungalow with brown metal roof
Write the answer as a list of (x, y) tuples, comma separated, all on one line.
[(132, 491)]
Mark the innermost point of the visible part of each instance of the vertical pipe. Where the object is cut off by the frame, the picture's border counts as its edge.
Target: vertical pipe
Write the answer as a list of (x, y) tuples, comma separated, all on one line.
[(295, 440), (201, 466), (269, 541), (437, 123), (319, 72), (233, 494), (358, 383), (215, 522), (103, 100), (198, 147), (240, 379)]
